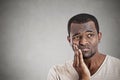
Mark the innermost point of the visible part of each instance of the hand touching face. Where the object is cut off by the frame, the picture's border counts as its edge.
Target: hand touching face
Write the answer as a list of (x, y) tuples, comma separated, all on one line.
[(79, 65)]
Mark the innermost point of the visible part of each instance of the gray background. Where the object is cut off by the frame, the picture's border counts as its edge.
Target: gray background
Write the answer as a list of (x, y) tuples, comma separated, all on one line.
[(33, 34)]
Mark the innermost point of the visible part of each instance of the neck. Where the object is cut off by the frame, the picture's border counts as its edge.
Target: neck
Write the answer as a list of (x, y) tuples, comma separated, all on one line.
[(94, 62)]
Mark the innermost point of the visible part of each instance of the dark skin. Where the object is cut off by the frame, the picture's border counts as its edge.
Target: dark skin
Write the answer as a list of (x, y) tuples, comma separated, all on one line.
[(84, 39)]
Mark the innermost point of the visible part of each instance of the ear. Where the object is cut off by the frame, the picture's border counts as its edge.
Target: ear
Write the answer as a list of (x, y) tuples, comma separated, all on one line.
[(68, 38), (99, 36)]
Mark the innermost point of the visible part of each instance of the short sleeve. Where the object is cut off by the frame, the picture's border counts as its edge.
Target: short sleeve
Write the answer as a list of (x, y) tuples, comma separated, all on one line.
[(52, 75)]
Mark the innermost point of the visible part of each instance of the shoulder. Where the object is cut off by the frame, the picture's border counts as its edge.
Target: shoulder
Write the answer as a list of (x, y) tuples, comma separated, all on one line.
[(59, 71), (59, 68), (113, 62), (113, 59)]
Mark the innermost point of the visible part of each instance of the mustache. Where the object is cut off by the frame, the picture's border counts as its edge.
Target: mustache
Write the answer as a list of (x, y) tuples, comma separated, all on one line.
[(84, 47)]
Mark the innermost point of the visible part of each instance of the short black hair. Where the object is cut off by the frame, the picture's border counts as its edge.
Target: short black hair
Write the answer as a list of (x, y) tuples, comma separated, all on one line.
[(83, 18)]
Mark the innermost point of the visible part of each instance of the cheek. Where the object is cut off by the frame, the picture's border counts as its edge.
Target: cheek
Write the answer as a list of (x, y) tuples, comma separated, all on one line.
[(94, 43), (75, 42)]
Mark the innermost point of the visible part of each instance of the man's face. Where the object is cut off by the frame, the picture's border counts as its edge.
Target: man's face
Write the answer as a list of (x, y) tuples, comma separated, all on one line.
[(85, 36)]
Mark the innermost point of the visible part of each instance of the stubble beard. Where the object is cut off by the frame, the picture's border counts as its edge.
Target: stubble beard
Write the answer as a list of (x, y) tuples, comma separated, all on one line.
[(88, 55)]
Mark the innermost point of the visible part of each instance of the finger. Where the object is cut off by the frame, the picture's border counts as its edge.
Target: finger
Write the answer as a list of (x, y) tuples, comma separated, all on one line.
[(80, 56), (78, 61), (75, 60), (76, 57), (74, 47)]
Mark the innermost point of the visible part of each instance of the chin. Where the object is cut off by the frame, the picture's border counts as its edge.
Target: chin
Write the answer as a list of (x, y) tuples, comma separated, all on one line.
[(88, 55)]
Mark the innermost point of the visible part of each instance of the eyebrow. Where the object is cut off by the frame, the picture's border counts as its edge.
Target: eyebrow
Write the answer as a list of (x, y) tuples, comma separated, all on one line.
[(85, 32), (76, 34), (89, 31)]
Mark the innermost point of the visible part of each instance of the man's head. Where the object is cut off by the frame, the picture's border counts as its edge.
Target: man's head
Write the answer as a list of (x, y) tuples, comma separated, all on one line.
[(83, 18), (83, 30)]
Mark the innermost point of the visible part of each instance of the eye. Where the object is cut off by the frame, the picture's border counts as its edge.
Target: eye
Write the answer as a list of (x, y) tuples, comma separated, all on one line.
[(76, 37), (90, 35)]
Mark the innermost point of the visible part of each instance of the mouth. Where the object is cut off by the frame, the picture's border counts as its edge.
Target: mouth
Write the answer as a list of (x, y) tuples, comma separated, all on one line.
[(85, 50)]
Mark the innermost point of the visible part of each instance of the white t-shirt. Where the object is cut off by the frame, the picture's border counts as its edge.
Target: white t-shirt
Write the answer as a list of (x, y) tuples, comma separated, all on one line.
[(109, 70)]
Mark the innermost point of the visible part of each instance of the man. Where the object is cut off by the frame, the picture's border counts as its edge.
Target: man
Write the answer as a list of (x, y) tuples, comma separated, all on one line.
[(88, 63)]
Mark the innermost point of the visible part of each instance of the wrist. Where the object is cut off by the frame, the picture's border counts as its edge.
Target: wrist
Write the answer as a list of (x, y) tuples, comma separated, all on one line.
[(84, 78)]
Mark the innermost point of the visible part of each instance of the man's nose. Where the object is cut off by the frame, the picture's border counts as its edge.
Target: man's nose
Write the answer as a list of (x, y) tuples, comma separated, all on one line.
[(83, 41)]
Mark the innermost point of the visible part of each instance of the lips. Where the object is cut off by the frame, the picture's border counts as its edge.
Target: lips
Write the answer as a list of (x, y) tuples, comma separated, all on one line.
[(85, 49)]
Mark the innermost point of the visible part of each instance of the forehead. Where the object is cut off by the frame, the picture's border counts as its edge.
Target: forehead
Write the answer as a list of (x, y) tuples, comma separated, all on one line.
[(83, 27)]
